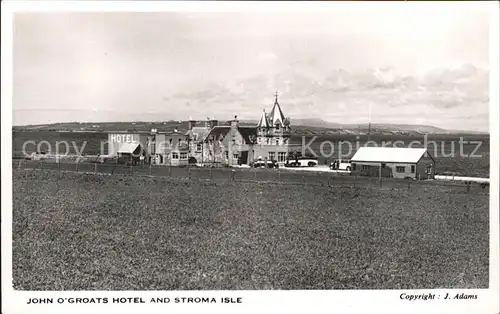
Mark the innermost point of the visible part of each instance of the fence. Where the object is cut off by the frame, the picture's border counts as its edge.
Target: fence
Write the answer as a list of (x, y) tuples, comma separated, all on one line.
[(277, 176)]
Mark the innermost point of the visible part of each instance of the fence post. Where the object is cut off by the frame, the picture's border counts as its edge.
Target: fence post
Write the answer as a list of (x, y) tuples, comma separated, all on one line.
[(169, 171), (210, 172), (255, 174), (380, 181), (76, 163), (409, 183), (59, 165), (149, 169), (95, 168), (189, 173), (468, 186), (279, 175)]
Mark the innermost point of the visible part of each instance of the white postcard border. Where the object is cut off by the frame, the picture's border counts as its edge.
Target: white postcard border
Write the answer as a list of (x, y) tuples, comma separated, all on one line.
[(341, 301)]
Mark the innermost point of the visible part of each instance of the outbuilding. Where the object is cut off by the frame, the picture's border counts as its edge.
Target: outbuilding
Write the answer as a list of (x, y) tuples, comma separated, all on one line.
[(394, 162), (128, 147)]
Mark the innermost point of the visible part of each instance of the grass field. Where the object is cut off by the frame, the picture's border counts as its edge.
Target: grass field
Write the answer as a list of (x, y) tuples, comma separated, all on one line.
[(77, 231), (461, 165)]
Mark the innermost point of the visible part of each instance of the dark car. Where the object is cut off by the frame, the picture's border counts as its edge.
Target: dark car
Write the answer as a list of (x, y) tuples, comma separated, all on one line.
[(265, 164)]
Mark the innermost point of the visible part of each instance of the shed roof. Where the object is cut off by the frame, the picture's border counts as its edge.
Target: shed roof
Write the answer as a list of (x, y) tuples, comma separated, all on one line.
[(389, 154), (128, 148)]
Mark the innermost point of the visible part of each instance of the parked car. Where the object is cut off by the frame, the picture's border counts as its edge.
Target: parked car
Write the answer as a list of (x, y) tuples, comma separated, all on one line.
[(341, 164), (302, 162), (265, 164)]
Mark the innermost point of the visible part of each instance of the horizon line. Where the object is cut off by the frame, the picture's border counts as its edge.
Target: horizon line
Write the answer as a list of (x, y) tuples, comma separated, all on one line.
[(245, 120)]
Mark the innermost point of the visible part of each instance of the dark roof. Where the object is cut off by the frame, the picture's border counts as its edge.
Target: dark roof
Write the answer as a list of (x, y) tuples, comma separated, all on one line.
[(218, 131), (246, 132), (202, 132)]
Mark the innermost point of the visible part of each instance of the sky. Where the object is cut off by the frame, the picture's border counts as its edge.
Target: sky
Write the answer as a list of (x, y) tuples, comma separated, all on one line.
[(410, 65)]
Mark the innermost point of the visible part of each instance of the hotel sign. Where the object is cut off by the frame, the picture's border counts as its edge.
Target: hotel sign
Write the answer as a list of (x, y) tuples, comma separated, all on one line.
[(124, 138)]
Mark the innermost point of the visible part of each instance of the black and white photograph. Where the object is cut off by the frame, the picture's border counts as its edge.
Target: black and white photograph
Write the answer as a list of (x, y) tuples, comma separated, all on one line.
[(340, 148)]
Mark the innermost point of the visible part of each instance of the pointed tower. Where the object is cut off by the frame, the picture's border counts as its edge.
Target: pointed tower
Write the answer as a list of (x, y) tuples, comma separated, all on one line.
[(263, 128), (263, 123), (277, 116)]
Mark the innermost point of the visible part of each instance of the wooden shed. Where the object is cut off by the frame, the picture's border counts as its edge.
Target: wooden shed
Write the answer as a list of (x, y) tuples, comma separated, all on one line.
[(394, 162)]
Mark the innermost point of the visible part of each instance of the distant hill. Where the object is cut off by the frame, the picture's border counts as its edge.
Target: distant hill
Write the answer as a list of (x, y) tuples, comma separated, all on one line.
[(299, 126)]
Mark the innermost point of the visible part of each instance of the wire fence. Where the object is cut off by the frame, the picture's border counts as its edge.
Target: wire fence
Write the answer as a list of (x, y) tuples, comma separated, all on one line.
[(256, 175)]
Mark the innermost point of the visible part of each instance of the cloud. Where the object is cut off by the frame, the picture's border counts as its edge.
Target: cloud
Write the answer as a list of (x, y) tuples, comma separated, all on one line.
[(267, 56), (437, 96)]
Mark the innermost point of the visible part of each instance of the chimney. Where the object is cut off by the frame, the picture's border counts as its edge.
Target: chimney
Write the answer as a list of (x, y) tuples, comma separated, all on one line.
[(191, 123), (234, 122), (213, 123)]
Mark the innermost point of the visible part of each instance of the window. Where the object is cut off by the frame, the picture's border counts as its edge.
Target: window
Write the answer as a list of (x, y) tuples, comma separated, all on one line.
[(277, 142), (383, 165), (234, 142), (184, 156), (412, 169), (271, 155), (400, 169), (365, 167), (353, 166), (175, 155), (235, 156), (170, 141), (199, 147), (281, 156), (226, 154)]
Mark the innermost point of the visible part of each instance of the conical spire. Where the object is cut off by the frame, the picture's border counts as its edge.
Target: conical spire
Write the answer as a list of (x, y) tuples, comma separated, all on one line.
[(277, 115), (263, 120)]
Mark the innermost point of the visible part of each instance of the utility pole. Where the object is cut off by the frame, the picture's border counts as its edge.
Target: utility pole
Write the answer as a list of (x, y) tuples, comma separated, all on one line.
[(369, 121)]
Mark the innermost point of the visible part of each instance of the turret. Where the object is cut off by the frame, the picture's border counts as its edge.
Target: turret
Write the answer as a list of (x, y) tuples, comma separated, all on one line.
[(263, 123), (276, 113)]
